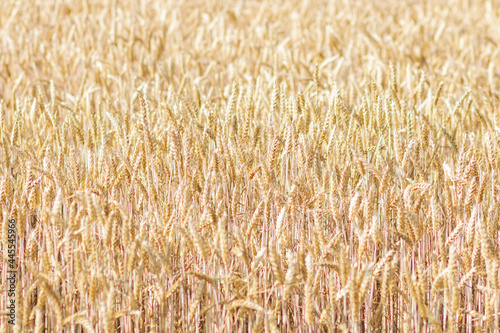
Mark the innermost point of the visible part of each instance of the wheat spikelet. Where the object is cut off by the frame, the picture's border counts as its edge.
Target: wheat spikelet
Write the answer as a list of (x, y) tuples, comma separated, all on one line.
[(56, 302), (224, 246), (274, 260), (3, 189), (246, 304), (255, 218), (240, 241), (471, 193), (275, 97), (353, 292), (454, 234), (110, 310), (231, 104), (290, 276), (17, 123), (354, 206), (170, 291)]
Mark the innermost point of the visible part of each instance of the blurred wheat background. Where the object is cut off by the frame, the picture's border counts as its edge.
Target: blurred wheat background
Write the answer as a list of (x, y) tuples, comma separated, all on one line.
[(251, 166)]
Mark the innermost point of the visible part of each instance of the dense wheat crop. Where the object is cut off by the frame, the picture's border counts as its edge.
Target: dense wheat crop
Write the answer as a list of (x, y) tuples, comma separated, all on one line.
[(223, 166)]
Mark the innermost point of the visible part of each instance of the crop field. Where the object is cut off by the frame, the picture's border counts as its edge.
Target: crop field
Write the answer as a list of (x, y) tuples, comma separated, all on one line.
[(249, 166)]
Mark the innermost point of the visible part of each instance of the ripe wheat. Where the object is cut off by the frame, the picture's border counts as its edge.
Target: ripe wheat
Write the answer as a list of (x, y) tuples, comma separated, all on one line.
[(248, 166)]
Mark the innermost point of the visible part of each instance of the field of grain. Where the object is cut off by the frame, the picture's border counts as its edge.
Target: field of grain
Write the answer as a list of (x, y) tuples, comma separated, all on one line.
[(250, 166)]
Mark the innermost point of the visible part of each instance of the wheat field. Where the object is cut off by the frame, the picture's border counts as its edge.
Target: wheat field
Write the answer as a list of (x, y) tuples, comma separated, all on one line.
[(250, 166)]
